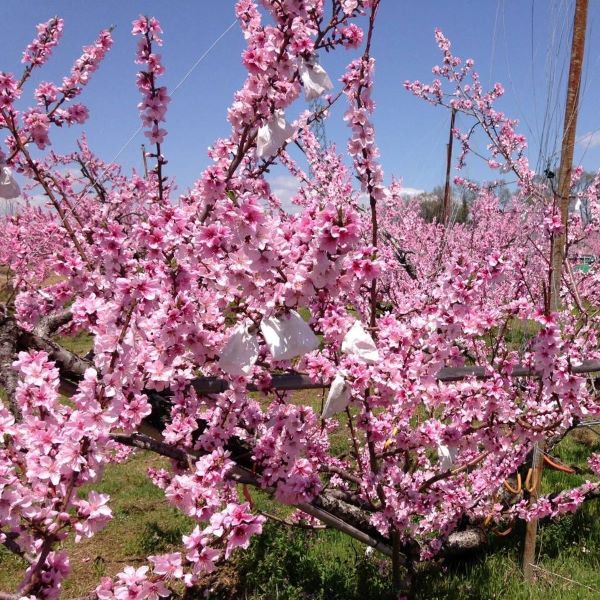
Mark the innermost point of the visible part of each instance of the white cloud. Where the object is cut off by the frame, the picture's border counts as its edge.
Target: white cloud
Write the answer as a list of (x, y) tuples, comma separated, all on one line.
[(9, 207), (14, 205), (405, 192), (363, 199), (410, 191), (590, 139), (285, 187), (38, 200)]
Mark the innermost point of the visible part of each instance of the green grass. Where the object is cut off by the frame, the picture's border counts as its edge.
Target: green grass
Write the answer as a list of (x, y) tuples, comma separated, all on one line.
[(80, 344), (568, 560), (520, 332), (574, 450), (295, 564)]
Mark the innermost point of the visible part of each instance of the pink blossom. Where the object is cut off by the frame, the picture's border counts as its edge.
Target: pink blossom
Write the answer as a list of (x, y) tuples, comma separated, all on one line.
[(168, 564), (40, 49)]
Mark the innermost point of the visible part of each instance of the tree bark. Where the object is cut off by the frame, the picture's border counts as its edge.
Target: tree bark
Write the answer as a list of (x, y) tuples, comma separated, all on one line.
[(8, 354)]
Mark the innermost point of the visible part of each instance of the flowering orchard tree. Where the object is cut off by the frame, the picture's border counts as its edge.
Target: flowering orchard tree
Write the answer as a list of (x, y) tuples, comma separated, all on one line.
[(443, 360)]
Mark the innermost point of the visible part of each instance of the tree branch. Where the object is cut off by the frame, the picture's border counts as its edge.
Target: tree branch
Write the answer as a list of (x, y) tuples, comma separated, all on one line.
[(321, 508)]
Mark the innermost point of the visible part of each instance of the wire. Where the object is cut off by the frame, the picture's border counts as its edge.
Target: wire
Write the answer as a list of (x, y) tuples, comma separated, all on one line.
[(494, 37), (556, 61), (204, 55), (589, 77), (532, 37), (583, 585), (510, 77)]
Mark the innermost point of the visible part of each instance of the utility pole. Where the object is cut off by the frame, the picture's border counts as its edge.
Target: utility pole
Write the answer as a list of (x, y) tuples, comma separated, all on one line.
[(318, 125), (559, 242), (446, 204), (559, 251)]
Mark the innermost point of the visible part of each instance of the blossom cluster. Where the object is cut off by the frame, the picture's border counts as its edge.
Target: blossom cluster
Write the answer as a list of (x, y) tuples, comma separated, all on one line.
[(44, 459), (40, 49), (153, 106), (506, 146)]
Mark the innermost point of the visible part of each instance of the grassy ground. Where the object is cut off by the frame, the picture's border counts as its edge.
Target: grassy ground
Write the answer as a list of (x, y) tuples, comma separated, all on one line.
[(79, 344), (568, 550)]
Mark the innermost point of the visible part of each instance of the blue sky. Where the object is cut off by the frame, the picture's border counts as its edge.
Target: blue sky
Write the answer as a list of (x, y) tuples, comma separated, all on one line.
[(522, 43)]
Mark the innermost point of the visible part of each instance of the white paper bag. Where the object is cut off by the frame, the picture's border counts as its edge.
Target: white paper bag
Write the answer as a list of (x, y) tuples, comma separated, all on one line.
[(9, 188), (338, 398), (446, 456), (314, 79), (288, 336), (240, 351), (273, 135), (358, 342)]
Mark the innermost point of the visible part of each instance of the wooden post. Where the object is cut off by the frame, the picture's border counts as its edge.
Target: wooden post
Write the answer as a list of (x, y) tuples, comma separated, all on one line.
[(559, 252), (446, 204), (559, 242)]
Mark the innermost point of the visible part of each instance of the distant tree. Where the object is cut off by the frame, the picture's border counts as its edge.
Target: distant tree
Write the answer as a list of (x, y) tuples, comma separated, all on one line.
[(431, 205)]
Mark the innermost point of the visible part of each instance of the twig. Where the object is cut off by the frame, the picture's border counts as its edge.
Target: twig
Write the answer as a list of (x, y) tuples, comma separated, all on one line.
[(429, 482), (289, 524)]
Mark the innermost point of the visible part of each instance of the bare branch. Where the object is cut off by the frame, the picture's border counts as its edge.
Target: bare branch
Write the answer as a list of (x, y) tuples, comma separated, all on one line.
[(49, 324)]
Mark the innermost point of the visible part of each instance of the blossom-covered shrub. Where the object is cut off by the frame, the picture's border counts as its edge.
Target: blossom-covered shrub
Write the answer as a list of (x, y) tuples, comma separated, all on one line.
[(208, 289)]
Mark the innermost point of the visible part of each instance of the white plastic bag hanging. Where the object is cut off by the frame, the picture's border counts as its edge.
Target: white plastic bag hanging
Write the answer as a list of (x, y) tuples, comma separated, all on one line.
[(314, 79), (288, 336), (273, 135), (240, 351), (338, 398), (9, 188), (446, 456), (358, 342)]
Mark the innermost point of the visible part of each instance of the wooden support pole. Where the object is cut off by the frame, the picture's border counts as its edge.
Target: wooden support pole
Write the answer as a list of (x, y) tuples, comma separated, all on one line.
[(446, 204), (559, 242), (559, 250)]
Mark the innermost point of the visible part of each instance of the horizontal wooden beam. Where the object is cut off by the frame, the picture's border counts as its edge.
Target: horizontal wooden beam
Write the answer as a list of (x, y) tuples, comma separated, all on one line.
[(449, 374), (301, 381), (279, 381)]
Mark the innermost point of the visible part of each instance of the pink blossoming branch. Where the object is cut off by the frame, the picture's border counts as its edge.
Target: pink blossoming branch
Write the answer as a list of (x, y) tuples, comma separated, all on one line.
[(215, 284), (155, 99)]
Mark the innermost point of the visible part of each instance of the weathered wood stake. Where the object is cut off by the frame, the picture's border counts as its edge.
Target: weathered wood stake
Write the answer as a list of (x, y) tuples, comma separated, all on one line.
[(559, 242), (446, 204)]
